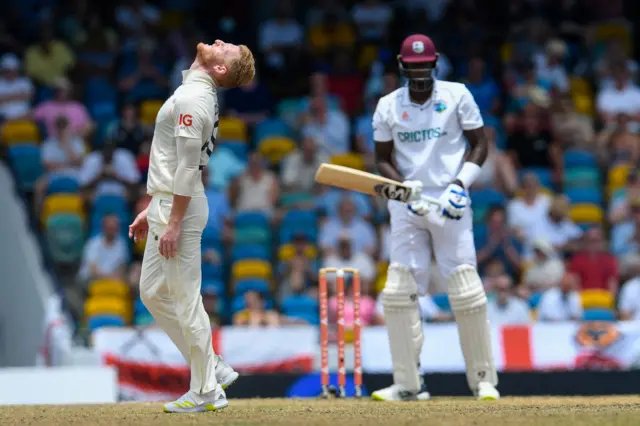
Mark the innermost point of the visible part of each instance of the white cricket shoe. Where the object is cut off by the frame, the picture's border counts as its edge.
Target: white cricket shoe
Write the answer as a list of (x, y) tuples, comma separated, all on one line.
[(225, 375), (397, 393), (487, 392), (192, 402)]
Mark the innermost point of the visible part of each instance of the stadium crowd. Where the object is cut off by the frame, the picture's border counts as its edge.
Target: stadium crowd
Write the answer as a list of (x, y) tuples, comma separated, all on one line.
[(556, 208)]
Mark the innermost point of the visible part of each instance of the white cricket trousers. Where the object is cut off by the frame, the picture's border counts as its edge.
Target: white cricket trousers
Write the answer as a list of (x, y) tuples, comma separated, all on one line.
[(170, 288)]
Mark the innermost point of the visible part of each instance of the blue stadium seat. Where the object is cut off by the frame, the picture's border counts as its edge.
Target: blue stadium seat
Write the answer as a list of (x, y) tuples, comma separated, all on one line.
[(240, 149), (212, 286), (585, 195), (271, 127), (65, 236), (301, 217), (211, 271), (250, 251), (544, 175), (98, 321), (98, 89), (139, 307), (211, 239), (487, 197), (582, 177), (25, 161), (63, 185), (534, 300), (599, 315), (442, 301), (251, 219), (578, 158), (301, 307), (261, 286), (287, 233), (237, 304), (110, 204)]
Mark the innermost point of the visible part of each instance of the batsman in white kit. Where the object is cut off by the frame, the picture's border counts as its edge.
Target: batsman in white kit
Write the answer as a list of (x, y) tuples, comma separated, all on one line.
[(421, 133), (183, 139)]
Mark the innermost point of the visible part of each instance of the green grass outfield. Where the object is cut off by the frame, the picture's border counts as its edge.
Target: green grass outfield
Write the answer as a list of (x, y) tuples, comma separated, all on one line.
[(538, 411)]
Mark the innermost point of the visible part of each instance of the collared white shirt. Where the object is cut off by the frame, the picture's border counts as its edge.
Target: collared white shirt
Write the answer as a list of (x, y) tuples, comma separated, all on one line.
[(515, 311), (428, 139), (10, 110), (629, 300), (554, 306), (107, 257), (191, 112)]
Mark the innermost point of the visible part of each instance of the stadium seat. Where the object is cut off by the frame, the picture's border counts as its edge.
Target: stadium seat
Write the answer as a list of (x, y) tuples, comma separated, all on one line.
[(245, 269), (144, 319), (487, 197), (251, 219), (442, 301), (271, 128), (98, 321), (252, 235), (614, 31), (139, 246), (294, 198), (578, 158), (544, 175), (591, 195), (287, 251), (26, 164), (596, 298), (139, 307), (65, 236), (287, 232), (230, 128), (110, 204), (211, 238), (584, 104), (149, 110), (617, 178), (19, 132), (63, 185), (211, 271), (109, 288), (580, 86), (237, 304), (301, 307), (599, 315), (62, 203), (242, 286), (107, 306), (301, 217), (534, 300), (582, 177), (586, 213), (354, 161), (212, 286), (288, 111), (249, 251), (239, 148), (275, 148)]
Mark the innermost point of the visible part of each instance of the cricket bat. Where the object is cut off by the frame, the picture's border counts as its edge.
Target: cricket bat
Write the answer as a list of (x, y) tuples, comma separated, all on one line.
[(368, 183)]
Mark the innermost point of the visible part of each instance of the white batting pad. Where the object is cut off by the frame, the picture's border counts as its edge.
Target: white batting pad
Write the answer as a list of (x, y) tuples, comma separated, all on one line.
[(404, 327), (469, 303)]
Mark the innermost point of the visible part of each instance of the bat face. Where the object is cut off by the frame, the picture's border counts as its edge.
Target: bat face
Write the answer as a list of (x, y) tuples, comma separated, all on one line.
[(393, 192)]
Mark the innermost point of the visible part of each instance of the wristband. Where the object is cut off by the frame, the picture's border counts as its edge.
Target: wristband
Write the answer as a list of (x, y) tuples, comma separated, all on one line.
[(468, 174)]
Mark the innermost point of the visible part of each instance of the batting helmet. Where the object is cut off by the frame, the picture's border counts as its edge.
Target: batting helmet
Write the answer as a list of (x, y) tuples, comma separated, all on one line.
[(417, 60)]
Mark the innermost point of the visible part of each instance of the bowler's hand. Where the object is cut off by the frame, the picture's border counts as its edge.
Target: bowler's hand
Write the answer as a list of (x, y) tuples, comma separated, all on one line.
[(168, 246), (139, 229)]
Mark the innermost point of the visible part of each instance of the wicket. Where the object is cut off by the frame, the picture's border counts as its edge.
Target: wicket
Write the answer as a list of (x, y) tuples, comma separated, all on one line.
[(324, 331)]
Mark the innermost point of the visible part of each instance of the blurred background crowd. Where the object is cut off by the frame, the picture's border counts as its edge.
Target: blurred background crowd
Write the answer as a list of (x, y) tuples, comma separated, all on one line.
[(555, 209)]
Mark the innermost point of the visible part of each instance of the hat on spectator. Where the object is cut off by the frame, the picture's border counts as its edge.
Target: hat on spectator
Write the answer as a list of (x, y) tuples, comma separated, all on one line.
[(556, 47), (9, 61)]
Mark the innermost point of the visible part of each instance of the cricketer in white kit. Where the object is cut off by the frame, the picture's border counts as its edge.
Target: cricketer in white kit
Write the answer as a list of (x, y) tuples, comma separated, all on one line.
[(421, 133), (183, 139)]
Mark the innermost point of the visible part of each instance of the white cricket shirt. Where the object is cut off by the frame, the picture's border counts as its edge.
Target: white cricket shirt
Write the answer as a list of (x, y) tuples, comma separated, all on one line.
[(428, 139), (191, 112)]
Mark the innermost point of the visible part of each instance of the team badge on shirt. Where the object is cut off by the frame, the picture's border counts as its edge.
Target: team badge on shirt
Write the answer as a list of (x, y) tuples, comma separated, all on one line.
[(440, 106)]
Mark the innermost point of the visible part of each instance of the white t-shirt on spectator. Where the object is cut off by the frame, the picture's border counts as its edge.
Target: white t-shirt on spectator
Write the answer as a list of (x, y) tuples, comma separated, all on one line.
[(528, 217), (123, 163), (372, 21), (516, 311), (363, 236), (614, 101), (15, 109), (558, 234), (107, 257), (629, 300), (556, 75), (554, 307), (428, 308), (52, 152), (331, 137), (275, 34), (360, 261)]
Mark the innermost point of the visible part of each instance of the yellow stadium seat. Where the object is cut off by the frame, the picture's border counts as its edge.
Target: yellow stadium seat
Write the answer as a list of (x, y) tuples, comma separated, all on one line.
[(276, 148), (230, 128), (19, 131), (617, 178), (354, 161), (381, 281), (596, 298), (62, 203), (620, 32), (506, 52), (584, 104), (251, 268), (138, 246), (287, 251), (580, 86), (108, 306), (149, 111), (542, 190), (109, 288), (368, 54), (586, 213)]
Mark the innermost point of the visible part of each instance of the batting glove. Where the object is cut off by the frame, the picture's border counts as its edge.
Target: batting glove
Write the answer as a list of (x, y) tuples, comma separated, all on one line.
[(415, 204), (454, 202)]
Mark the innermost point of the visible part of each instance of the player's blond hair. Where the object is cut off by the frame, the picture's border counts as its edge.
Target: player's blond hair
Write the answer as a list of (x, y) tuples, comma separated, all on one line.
[(242, 70)]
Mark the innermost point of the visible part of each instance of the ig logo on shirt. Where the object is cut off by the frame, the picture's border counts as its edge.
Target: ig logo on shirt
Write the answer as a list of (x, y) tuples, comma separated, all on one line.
[(185, 120)]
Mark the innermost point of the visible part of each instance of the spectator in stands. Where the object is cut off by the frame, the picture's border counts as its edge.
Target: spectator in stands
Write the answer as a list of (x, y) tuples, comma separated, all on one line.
[(143, 78), (497, 171), (255, 313), (617, 143), (532, 146), (97, 49), (345, 257), (362, 234), (16, 90), (506, 308), (317, 12), (557, 228), (255, 190), (561, 303), (482, 86), (62, 155), (111, 170), (48, 60), (595, 268), (573, 130), (128, 132), (499, 242), (251, 103), (621, 97), (547, 269), (367, 305), (328, 128), (625, 238), (136, 16), (225, 167), (550, 66), (629, 299), (279, 36), (299, 271), (620, 203), (331, 32), (614, 55), (62, 105), (219, 209), (106, 255), (212, 304), (299, 167), (493, 270), (372, 18), (528, 212)]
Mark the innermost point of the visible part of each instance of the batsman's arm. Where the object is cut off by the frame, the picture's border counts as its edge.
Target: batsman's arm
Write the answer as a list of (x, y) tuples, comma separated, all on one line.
[(470, 120), (384, 161), (383, 137)]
